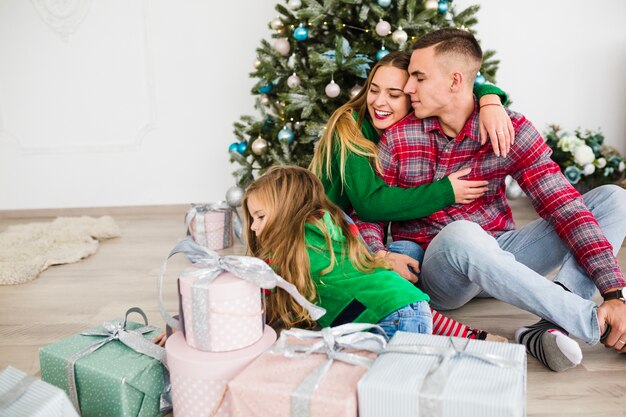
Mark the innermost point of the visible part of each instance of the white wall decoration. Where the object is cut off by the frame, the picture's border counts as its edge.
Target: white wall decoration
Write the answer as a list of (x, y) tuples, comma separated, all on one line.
[(63, 16)]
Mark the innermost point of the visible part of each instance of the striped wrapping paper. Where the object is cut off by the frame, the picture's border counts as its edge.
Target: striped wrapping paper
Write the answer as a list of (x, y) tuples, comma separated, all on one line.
[(22, 395), (473, 378)]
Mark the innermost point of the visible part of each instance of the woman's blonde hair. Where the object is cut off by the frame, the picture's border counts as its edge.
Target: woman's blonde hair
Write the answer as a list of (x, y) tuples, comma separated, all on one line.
[(344, 134), (291, 197)]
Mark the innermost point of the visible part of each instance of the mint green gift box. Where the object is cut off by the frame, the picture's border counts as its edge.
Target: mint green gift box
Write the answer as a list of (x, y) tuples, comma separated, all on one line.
[(112, 381)]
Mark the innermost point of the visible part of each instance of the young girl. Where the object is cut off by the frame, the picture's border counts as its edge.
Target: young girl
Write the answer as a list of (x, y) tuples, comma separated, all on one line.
[(309, 241)]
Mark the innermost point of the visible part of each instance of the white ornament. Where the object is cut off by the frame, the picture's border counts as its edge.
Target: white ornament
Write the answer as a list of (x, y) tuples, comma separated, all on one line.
[(257, 63), (281, 45), (431, 4), (355, 90), (294, 4), (234, 195), (277, 24), (259, 146), (399, 36), (293, 81), (383, 28), (332, 89), (265, 100)]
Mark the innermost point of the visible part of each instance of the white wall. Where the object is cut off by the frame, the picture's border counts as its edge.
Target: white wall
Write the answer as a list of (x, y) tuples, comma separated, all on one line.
[(132, 102)]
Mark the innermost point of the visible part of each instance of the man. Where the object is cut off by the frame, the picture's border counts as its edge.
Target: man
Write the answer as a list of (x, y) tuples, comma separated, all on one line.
[(473, 250)]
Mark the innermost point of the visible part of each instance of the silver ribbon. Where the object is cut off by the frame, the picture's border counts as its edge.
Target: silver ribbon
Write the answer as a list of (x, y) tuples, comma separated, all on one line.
[(134, 339), (330, 341), (16, 392), (198, 211), (431, 394), (211, 265)]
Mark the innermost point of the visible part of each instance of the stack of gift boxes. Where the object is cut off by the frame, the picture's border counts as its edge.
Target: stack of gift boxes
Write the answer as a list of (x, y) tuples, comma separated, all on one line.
[(223, 360)]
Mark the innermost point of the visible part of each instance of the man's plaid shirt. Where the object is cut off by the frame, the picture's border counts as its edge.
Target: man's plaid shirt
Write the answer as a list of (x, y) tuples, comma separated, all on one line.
[(415, 152)]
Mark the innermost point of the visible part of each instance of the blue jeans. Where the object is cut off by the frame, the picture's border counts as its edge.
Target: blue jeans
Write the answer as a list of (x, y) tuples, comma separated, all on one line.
[(414, 318), (463, 262)]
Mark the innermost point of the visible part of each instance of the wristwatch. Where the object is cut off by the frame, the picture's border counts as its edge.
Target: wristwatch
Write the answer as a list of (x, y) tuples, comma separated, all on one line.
[(616, 295)]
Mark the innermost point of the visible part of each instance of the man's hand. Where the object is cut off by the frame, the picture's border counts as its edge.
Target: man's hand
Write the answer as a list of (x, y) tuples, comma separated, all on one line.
[(401, 263), (613, 313)]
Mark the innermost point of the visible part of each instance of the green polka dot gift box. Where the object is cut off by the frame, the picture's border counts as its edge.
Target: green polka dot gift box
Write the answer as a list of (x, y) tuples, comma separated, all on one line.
[(113, 370)]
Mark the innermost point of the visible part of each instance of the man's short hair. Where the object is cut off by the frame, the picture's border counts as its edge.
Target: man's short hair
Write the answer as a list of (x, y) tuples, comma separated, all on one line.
[(451, 40)]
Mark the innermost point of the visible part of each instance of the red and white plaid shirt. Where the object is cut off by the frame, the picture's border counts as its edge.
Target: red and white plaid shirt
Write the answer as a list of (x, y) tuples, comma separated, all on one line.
[(415, 152)]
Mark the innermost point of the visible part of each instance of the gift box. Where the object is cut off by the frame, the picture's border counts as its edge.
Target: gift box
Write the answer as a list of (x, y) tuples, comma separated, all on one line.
[(425, 375), (221, 304), (23, 395), (225, 314), (104, 373), (211, 225), (307, 373), (199, 379)]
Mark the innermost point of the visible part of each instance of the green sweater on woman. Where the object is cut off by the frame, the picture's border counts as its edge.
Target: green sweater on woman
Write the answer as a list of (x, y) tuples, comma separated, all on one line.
[(373, 199), (346, 293)]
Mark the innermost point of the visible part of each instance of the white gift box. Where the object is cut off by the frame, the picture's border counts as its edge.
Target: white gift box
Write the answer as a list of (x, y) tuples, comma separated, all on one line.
[(423, 375), (22, 395)]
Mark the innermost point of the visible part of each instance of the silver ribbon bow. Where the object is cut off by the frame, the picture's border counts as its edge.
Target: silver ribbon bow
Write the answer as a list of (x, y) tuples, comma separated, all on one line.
[(211, 265), (330, 341), (198, 211), (431, 395), (134, 339), (16, 392)]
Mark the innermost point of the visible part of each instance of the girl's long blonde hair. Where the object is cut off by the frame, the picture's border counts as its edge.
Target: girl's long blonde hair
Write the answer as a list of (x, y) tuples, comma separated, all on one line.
[(343, 133), (291, 197)]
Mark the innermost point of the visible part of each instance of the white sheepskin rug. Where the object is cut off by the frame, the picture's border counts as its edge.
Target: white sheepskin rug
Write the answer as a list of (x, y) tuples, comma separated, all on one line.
[(28, 249)]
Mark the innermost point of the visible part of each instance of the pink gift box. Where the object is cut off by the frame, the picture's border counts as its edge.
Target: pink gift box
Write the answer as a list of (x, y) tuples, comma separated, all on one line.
[(265, 386), (211, 225), (232, 317), (199, 379)]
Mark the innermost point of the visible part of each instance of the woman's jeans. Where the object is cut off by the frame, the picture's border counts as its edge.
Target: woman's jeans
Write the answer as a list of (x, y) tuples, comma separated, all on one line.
[(414, 318)]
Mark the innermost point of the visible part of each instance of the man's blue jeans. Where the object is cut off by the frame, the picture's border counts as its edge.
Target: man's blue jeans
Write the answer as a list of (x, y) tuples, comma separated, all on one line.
[(463, 262)]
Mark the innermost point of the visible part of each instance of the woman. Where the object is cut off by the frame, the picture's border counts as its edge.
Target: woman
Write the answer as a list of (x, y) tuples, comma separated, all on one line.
[(347, 150)]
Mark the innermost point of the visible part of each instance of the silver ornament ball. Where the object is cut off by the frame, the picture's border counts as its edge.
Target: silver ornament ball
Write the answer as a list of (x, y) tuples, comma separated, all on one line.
[(281, 45), (277, 24), (293, 81), (294, 4), (431, 4), (234, 195), (265, 100), (256, 63), (399, 36), (259, 146), (355, 90), (383, 28), (332, 89)]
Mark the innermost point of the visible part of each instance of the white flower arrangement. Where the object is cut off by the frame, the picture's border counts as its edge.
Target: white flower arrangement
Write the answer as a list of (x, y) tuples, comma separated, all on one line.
[(583, 158)]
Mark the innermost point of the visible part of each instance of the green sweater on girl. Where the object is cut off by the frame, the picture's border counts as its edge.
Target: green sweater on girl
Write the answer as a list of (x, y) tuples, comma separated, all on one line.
[(361, 297), (373, 199)]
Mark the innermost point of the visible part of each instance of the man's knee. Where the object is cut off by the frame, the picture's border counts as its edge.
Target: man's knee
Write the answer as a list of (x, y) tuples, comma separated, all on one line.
[(461, 234), (610, 195)]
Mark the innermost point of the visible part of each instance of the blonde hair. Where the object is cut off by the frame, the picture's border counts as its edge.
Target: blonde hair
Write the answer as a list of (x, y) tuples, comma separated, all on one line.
[(293, 196), (343, 134)]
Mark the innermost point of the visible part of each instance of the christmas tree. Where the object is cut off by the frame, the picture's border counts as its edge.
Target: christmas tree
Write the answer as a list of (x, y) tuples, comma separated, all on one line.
[(319, 57)]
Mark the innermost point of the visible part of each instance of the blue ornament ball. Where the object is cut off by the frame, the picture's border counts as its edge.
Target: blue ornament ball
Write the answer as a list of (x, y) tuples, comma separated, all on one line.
[(242, 146), (234, 147), (266, 88), (443, 7), (286, 135), (384, 3), (301, 33), (480, 79), (381, 54)]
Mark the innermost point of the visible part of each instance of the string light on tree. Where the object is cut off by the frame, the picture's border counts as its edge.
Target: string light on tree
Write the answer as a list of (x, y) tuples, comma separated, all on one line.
[(259, 146), (301, 33), (399, 36), (281, 45), (293, 81), (383, 28), (332, 89), (286, 135), (384, 3)]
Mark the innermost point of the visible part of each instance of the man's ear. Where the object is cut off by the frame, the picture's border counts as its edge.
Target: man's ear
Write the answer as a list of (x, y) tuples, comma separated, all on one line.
[(456, 81)]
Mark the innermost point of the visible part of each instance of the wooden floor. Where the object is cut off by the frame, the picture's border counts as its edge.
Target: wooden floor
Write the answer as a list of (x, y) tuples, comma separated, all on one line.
[(69, 298)]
